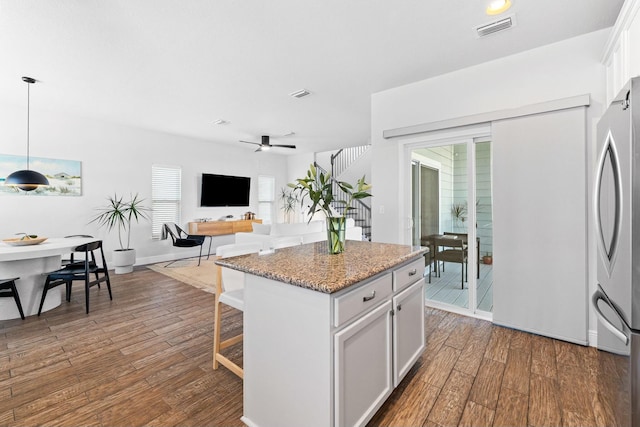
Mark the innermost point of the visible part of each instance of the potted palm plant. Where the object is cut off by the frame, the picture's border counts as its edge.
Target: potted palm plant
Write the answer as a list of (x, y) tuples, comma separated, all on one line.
[(289, 201), (319, 189), (120, 214)]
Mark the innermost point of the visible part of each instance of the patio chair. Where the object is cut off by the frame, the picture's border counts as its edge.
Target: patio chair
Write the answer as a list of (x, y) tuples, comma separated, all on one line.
[(454, 250)]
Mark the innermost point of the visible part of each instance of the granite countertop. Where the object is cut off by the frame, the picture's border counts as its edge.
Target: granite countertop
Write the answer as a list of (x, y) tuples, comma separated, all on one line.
[(311, 266)]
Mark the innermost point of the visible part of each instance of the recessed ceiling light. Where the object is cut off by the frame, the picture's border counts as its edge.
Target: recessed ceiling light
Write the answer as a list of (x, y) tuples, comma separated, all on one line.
[(498, 6), (221, 122), (300, 93)]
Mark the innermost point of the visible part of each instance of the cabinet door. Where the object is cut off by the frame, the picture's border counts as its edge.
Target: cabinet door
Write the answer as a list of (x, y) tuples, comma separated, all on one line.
[(363, 377), (408, 329)]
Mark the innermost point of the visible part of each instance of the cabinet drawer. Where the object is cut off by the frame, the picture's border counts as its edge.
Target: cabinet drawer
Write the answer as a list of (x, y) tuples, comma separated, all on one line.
[(353, 303), (408, 274)]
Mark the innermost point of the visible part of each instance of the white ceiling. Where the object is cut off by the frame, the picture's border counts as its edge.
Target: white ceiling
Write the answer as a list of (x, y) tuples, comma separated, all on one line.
[(178, 65)]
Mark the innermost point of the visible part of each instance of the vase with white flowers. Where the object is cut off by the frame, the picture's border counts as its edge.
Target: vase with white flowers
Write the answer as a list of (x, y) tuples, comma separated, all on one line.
[(319, 187)]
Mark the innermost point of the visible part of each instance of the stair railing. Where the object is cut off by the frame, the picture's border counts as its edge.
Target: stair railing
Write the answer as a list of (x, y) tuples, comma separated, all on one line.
[(345, 158)]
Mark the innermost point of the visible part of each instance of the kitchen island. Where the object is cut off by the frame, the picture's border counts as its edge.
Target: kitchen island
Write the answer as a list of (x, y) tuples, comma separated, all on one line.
[(328, 337)]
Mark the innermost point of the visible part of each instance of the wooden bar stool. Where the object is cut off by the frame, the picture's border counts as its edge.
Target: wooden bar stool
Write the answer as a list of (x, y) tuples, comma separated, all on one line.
[(8, 290), (229, 291)]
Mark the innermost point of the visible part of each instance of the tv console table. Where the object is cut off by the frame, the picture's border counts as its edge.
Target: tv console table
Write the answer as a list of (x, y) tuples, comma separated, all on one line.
[(219, 228)]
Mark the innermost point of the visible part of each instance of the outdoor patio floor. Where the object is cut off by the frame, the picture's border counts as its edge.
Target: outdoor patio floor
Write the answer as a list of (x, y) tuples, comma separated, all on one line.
[(446, 288)]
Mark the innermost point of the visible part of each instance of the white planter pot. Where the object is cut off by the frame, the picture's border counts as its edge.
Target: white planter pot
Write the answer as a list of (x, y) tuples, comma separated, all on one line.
[(123, 260)]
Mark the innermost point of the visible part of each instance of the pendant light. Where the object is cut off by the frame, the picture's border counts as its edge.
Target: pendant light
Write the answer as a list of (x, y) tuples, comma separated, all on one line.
[(27, 180)]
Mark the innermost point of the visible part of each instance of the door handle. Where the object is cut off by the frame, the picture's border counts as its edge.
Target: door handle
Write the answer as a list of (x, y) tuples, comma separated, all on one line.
[(599, 296), (609, 244)]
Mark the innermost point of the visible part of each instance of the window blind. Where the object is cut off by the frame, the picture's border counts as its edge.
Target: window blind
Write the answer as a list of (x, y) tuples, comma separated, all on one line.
[(266, 197), (166, 195)]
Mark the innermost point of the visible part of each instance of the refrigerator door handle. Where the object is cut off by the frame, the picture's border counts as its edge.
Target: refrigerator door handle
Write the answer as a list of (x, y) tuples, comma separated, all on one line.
[(599, 296), (609, 161)]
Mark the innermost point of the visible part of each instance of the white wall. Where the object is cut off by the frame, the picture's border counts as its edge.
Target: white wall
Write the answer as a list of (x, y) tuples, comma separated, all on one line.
[(297, 167), (118, 159), (556, 71)]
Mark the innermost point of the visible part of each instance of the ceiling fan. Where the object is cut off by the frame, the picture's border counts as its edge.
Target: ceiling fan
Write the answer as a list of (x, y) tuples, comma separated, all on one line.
[(266, 145)]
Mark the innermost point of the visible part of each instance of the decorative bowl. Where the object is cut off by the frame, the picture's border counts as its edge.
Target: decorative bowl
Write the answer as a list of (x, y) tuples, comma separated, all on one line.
[(18, 241)]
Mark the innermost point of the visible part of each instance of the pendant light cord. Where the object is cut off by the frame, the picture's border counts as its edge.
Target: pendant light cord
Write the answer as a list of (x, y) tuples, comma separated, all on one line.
[(28, 113)]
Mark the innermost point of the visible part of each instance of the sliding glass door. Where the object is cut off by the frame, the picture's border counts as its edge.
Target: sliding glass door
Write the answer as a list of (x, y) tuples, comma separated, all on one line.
[(451, 214)]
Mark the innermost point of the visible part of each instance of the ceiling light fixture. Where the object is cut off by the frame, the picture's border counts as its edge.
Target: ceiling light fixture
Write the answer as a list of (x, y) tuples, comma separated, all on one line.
[(496, 7), (300, 93), (27, 180)]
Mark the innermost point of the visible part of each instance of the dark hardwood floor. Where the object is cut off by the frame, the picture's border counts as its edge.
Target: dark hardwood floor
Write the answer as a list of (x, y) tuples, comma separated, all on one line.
[(145, 359)]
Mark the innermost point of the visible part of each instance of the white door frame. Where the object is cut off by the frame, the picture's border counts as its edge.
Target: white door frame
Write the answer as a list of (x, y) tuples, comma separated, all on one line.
[(468, 136)]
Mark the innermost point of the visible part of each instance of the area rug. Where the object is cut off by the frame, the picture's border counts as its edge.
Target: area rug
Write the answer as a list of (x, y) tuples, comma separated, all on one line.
[(187, 271)]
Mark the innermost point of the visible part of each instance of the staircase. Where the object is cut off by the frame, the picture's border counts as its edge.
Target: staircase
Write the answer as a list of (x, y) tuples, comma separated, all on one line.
[(344, 158), (360, 212)]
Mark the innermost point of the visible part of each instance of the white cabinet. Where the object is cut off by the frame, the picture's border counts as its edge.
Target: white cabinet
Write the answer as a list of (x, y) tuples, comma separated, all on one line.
[(363, 366), (352, 304), (375, 352), (320, 359), (622, 51), (407, 275), (408, 329)]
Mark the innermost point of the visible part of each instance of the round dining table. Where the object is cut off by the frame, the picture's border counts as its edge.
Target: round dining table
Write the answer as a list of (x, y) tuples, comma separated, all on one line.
[(30, 263)]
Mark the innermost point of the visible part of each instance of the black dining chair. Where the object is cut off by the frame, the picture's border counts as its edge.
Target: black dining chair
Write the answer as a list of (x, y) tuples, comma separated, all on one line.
[(80, 270), (71, 258), (181, 239), (8, 290)]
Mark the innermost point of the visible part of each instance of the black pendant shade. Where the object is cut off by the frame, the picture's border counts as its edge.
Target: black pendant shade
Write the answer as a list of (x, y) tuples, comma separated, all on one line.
[(27, 180)]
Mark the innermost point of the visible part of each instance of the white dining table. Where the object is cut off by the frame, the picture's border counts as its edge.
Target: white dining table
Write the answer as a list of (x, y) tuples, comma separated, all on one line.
[(29, 263)]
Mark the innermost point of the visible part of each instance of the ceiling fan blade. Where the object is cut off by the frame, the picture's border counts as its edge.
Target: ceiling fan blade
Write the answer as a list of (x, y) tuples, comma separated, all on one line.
[(283, 146), (259, 149), (249, 142)]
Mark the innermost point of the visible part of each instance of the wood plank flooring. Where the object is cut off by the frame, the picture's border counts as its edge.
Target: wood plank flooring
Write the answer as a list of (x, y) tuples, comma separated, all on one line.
[(476, 374), (145, 359)]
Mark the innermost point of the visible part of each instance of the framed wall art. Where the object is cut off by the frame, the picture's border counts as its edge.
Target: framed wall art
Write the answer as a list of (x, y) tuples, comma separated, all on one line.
[(65, 176)]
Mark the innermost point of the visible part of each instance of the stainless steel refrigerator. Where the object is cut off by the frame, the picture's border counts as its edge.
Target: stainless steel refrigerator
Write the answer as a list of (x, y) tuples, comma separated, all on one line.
[(617, 299)]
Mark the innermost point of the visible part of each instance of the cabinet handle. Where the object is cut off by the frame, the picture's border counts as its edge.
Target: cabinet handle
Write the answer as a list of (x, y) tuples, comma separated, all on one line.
[(370, 297), (413, 272), (399, 307)]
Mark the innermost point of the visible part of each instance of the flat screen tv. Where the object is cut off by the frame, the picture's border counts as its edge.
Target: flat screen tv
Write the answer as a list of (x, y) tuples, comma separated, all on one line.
[(224, 190)]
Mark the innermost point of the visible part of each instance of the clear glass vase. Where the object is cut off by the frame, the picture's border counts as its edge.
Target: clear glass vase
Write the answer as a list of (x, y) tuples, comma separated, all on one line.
[(336, 227)]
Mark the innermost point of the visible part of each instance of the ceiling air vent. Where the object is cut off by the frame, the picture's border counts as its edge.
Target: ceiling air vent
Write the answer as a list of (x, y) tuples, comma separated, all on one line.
[(300, 93), (494, 27)]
